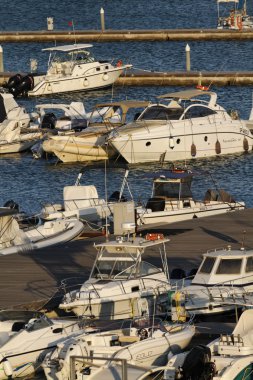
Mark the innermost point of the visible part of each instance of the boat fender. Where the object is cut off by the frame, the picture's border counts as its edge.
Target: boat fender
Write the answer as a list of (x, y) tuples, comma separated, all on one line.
[(193, 150), (245, 144), (85, 82), (217, 147), (171, 143), (13, 82), (105, 77), (119, 63), (26, 85), (7, 368)]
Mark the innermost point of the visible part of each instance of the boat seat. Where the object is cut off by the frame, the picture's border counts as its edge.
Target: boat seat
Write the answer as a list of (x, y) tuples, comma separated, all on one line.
[(129, 339), (156, 204), (77, 197)]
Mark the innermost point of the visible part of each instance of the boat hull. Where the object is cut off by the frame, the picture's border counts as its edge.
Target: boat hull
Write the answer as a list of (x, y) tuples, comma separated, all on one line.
[(48, 85), (151, 146), (184, 214)]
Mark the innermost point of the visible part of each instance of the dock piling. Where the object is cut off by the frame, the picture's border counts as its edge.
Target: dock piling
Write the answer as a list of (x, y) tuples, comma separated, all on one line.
[(102, 18), (50, 23), (188, 57), (1, 60)]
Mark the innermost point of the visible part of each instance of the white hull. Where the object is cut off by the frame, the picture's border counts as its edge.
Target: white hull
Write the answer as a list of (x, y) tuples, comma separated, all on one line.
[(149, 146), (84, 147), (15, 147), (47, 85), (51, 233), (172, 216)]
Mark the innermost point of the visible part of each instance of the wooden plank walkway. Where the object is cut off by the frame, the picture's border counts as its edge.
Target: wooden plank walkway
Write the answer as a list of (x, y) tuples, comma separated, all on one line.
[(30, 279), (128, 35)]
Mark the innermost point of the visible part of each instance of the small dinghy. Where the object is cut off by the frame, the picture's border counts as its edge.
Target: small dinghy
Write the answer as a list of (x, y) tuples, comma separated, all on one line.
[(13, 239)]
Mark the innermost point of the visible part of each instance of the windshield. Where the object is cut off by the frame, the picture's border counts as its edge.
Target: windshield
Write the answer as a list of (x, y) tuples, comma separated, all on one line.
[(173, 189), (38, 324), (78, 56), (121, 268), (161, 113), (207, 265)]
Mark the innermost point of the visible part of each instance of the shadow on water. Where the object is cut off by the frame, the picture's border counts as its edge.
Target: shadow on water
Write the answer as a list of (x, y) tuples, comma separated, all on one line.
[(218, 235)]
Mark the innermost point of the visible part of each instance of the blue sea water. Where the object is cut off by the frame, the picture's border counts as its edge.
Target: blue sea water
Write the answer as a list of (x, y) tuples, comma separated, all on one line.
[(31, 182)]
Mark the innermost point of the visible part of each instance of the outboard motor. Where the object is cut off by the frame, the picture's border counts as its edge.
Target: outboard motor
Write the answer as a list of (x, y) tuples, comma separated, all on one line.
[(49, 121), (13, 83), (12, 205), (115, 197), (26, 85), (198, 365)]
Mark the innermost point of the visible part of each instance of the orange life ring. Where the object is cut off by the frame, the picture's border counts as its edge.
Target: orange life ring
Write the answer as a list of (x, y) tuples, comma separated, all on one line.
[(203, 88), (154, 236)]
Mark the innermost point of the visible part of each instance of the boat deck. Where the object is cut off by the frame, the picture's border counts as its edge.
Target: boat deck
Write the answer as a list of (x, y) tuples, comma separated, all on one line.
[(31, 279)]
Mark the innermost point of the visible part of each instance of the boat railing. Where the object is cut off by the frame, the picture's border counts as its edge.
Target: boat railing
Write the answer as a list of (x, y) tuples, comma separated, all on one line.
[(90, 288)]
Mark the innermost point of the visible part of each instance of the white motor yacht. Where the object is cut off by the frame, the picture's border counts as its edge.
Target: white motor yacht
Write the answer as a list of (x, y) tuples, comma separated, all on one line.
[(141, 342), (13, 239), (189, 125), (223, 282), (70, 68), (172, 200), (91, 143), (229, 357), (121, 285)]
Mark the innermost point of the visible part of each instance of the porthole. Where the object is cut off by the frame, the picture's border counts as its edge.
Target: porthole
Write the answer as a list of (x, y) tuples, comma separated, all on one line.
[(178, 141), (148, 143), (205, 138)]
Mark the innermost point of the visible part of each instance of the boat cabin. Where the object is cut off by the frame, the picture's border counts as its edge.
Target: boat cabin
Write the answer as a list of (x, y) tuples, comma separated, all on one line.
[(172, 186), (122, 259), (225, 267)]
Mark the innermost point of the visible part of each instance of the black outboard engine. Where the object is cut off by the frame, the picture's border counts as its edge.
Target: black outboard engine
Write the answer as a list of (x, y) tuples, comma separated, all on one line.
[(115, 197), (49, 121), (198, 365), (26, 85), (13, 83), (12, 205)]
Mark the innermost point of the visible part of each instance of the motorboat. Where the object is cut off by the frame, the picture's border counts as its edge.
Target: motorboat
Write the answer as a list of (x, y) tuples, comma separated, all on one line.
[(189, 125), (228, 357), (121, 285), (70, 68), (91, 143), (237, 18), (13, 239), (15, 132), (22, 352), (142, 342), (222, 283), (83, 202), (172, 200)]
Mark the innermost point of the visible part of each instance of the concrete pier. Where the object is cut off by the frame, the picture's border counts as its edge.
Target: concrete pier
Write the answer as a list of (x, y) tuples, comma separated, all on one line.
[(125, 35), (31, 279)]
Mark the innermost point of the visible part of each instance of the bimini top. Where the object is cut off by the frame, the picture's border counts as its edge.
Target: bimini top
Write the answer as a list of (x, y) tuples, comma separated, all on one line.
[(170, 174), (186, 95), (67, 48)]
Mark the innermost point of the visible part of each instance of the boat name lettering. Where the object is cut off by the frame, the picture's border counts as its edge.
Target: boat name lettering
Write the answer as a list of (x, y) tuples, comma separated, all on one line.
[(144, 355), (229, 141)]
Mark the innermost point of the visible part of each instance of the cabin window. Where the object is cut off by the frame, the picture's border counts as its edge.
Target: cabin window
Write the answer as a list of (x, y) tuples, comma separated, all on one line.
[(178, 141), (161, 113), (97, 68), (198, 111), (205, 138), (249, 265), (207, 265), (148, 143), (229, 266)]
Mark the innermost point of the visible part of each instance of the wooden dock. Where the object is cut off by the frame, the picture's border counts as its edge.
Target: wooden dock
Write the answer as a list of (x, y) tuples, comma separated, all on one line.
[(182, 78), (67, 36), (31, 279)]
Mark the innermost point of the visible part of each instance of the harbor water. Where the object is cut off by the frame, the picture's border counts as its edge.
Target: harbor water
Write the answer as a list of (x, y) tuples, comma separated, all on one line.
[(34, 182)]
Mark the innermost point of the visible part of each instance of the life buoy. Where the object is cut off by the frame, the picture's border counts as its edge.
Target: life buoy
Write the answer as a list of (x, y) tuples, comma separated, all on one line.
[(119, 63), (154, 236), (245, 144), (203, 88)]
